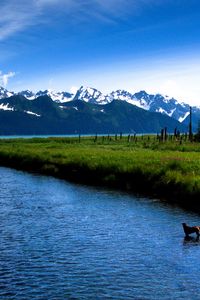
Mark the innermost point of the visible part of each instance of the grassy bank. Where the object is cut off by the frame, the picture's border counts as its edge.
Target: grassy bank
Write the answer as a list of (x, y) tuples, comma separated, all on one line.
[(169, 170)]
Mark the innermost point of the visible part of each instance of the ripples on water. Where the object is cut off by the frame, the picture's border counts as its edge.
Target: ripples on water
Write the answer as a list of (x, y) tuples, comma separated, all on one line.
[(65, 241)]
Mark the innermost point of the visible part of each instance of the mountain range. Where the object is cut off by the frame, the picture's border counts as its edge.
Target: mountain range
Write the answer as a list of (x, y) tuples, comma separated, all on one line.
[(90, 111)]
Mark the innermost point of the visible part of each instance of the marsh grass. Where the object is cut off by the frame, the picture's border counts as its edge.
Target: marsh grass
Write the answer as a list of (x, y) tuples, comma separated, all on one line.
[(168, 169)]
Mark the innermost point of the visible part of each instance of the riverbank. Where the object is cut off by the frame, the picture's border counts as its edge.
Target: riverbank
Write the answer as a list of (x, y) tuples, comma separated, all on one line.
[(144, 165)]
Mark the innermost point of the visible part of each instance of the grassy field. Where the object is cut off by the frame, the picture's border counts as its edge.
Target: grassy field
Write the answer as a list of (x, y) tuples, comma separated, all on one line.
[(169, 170)]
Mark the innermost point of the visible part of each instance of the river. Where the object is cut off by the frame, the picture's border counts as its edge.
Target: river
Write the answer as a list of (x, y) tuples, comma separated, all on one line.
[(67, 241)]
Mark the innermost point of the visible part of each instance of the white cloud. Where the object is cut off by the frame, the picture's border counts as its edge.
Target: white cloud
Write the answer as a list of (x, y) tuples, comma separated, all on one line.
[(5, 77)]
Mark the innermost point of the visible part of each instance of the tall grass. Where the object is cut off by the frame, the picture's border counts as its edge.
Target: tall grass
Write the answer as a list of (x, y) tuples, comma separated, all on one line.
[(168, 169)]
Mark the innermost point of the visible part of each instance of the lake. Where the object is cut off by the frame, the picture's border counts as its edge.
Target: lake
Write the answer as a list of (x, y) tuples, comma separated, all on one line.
[(67, 241)]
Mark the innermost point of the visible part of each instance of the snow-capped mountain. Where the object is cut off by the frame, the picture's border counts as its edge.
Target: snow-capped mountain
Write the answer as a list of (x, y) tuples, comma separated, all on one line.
[(163, 104), (55, 96), (91, 95), (141, 101), (18, 115), (153, 103), (59, 97), (28, 94), (5, 93)]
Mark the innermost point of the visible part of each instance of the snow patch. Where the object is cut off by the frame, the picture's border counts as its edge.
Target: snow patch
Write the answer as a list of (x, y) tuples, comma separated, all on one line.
[(6, 107), (31, 113), (161, 110), (181, 119), (171, 113), (30, 97)]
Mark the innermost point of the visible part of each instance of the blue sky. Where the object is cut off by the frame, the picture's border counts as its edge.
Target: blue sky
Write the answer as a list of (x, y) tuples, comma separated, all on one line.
[(151, 45)]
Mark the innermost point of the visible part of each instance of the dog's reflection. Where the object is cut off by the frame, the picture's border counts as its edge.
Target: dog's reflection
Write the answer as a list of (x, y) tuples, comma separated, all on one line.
[(191, 240)]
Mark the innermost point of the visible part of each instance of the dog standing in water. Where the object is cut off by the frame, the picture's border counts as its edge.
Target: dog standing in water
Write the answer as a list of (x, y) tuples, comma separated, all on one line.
[(188, 230)]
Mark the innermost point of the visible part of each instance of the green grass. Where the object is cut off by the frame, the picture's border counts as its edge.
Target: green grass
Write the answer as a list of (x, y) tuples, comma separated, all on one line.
[(170, 170)]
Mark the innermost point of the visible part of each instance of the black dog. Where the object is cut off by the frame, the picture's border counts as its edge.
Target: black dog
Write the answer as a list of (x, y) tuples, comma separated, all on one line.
[(188, 230)]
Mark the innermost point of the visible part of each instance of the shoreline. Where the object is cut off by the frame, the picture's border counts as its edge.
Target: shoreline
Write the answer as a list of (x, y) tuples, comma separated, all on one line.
[(137, 183), (84, 164)]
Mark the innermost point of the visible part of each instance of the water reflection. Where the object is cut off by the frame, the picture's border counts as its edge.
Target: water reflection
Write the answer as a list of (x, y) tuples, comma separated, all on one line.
[(191, 240)]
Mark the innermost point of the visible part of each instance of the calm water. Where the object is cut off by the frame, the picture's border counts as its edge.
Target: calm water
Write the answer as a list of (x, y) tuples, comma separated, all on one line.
[(65, 241)]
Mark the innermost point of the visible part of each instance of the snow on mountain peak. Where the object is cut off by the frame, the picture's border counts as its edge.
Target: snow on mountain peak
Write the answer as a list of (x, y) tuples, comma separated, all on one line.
[(154, 103), (91, 95), (121, 95), (28, 94), (60, 96), (55, 96), (5, 93)]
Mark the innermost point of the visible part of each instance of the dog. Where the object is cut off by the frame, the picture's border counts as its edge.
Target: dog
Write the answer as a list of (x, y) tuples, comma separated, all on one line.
[(188, 230)]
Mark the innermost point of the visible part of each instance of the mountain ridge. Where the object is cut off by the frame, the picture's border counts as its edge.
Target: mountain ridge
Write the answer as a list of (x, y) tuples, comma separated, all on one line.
[(149, 102), (18, 115)]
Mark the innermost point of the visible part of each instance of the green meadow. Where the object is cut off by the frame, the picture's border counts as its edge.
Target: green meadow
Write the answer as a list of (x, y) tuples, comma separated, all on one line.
[(166, 169)]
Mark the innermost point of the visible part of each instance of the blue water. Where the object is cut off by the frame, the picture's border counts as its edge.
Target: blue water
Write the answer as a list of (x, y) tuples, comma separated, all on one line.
[(38, 136), (65, 135), (64, 241)]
